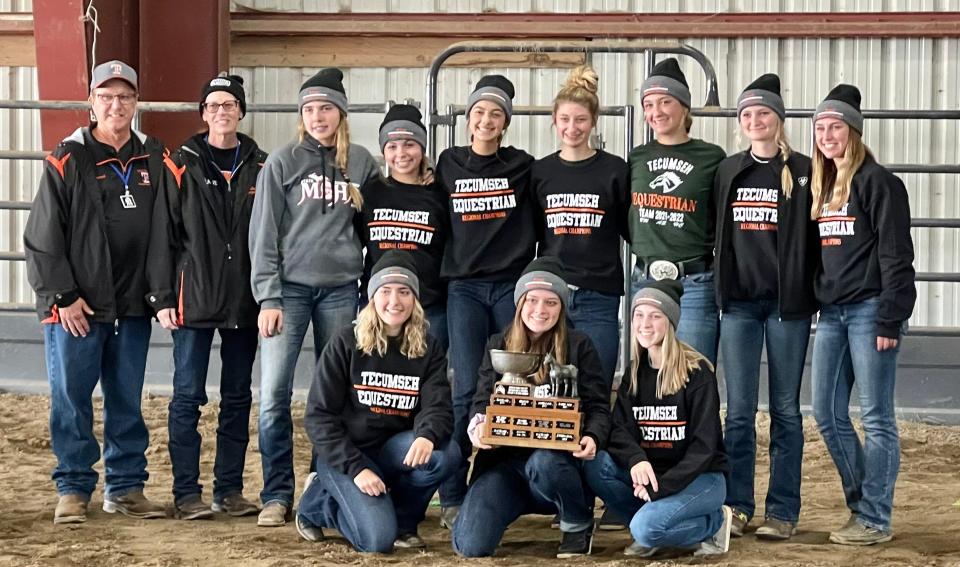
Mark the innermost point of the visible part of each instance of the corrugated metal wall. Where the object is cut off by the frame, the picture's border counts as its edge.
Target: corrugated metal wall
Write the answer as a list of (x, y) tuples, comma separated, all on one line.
[(19, 130), (893, 73)]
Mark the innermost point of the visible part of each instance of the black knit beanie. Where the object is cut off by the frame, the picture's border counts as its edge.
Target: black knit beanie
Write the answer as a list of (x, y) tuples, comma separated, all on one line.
[(842, 102), (495, 88), (394, 267), (403, 122), (667, 78), (326, 85), (765, 91), (232, 84)]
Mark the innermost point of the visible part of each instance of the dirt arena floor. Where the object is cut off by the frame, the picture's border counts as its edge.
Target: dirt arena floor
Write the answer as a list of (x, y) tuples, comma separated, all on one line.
[(926, 513)]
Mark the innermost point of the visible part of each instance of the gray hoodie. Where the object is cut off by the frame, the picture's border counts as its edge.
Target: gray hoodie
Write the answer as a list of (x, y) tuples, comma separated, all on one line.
[(301, 229)]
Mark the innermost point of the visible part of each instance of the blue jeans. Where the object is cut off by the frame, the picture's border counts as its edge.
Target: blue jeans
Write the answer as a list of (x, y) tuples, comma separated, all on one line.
[(477, 309), (680, 520), (844, 352), (116, 356), (330, 309), (546, 482), (597, 315), (742, 330), (191, 356), (372, 523), (699, 317), (437, 317)]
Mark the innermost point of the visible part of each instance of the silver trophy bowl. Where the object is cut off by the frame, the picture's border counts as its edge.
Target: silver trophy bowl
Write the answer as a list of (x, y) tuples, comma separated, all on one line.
[(515, 366)]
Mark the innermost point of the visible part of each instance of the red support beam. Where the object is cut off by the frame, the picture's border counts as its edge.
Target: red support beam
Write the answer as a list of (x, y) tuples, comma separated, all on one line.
[(183, 43), (58, 31)]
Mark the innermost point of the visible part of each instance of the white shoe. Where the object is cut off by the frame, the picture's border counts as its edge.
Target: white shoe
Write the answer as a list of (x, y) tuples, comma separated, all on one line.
[(719, 543), (306, 531)]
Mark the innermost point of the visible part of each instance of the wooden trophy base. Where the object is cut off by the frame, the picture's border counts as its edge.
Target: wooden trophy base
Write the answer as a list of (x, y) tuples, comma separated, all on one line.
[(518, 418)]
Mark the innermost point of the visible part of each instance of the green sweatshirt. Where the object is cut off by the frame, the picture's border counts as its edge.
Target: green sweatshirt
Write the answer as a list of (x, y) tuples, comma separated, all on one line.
[(671, 200)]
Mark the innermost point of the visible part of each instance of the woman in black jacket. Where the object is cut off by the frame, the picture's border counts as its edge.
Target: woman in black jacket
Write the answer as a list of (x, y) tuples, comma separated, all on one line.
[(663, 471), (509, 482), (199, 274), (866, 287), (767, 252), (379, 417)]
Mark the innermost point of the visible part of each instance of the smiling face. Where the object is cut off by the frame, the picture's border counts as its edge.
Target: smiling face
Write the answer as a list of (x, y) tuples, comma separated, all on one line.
[(222, 120), (486, 122), (574, 123), (649, 325), (394, 306), (403, 157), (114, 103), (664, 114), (759, 123), (321, 120), (832, 136), (540, 311)]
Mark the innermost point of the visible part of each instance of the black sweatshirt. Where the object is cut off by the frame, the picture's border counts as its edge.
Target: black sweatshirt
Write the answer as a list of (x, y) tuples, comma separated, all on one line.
[(357, 402), (398, 216), (492, 227), (680, 434), (584, 207), (798, 242), (594, 396), (867, 250)]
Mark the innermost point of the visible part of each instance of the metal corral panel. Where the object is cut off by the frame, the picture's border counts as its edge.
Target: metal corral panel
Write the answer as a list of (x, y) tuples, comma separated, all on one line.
[(892, 73)]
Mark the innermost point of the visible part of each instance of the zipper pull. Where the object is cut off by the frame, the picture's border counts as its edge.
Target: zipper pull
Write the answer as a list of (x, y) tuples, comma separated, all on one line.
[(116, 327), (229, 251)]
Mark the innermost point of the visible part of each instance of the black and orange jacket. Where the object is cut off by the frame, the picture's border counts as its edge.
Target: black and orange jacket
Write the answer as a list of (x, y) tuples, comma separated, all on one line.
[(199, 258), (65, 240)]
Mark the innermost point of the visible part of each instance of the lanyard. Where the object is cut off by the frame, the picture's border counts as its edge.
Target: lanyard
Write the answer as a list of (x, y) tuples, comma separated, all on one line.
[(236, 156), (124, 177)]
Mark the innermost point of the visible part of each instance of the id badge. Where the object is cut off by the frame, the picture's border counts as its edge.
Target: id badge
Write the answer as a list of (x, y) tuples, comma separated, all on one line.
[(127, 201)]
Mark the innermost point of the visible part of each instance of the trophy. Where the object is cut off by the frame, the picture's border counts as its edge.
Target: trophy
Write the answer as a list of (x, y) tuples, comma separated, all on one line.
[(522, 414)]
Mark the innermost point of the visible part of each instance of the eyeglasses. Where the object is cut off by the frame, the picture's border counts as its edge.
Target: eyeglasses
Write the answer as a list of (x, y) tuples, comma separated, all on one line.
[(228, 106), (125, 99)]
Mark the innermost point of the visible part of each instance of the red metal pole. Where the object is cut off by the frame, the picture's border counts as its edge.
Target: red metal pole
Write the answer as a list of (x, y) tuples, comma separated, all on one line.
[(62, 72)]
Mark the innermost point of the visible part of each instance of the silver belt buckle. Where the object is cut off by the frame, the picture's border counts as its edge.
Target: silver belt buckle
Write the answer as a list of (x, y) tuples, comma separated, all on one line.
[(663, 270)]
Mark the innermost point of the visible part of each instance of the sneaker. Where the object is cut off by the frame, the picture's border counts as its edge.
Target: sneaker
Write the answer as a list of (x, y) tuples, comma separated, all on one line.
[(608, 523), (774, 529), (739, 523), (719, 542), (637, 550), (448, 516), (192, 508), (307, 531), (235, 505), (71, 509), (409, 541), (133, 504), (859, 534), (576, 544), (274, 515)]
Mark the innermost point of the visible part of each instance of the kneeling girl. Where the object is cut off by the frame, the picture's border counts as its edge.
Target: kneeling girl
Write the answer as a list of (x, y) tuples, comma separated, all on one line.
[(509, 482), (379, 417), (663, 471)]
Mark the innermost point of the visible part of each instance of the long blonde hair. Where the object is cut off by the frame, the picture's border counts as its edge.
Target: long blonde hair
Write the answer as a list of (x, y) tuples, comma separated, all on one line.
[(677, 361), (580, 88), (342, 137), (371, 333), (783, 144), (831, 183), (552, 342)]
